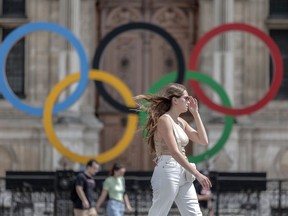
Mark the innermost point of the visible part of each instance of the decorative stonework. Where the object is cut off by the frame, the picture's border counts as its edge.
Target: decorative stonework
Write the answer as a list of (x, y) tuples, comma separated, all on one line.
[(122, 15), (170, 17)]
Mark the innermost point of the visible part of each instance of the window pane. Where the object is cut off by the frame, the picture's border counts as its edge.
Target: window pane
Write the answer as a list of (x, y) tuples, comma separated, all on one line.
[(14, 8), (15, 65), (280, 37)]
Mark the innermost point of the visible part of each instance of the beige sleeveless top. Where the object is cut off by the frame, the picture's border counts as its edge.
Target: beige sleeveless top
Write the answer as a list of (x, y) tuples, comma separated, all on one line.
[(180, 136)]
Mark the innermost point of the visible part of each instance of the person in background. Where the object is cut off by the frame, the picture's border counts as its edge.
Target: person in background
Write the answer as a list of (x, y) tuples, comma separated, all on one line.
[(84, 186), (114, 186)]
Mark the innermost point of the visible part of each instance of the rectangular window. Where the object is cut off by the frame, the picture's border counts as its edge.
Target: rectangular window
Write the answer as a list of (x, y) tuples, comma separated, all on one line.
[(15, 65), (278, 8), (13, 8), (280, 37)]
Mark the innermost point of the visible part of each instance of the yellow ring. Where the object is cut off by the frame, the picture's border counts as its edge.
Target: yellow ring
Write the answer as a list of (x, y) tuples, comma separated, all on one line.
[(131, 123)]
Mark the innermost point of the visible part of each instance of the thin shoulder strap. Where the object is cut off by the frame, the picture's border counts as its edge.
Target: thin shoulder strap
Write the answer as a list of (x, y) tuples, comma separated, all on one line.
[(174, 128)]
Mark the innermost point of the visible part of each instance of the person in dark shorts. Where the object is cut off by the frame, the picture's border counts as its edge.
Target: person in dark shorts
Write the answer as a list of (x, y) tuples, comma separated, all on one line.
[(84, 189)]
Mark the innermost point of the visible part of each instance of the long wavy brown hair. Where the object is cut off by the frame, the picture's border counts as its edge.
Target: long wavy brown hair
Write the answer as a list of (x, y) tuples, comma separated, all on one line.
[(155, 106)]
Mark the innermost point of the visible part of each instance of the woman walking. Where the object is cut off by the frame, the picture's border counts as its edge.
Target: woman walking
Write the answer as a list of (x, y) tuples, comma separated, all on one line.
[(167, 136)]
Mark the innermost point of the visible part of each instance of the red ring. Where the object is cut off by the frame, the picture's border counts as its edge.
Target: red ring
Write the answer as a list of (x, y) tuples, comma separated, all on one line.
[(276, 57)]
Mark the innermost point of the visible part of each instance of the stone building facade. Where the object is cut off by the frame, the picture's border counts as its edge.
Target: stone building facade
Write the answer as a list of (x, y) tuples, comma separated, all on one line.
[(238, 61), (48, 59)]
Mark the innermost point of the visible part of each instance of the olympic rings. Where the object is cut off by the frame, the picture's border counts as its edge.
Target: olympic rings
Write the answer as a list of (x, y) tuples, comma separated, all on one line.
[(127, 27), (100, 76), (131, 123), (224, 98), (41, 26), (276, 56)]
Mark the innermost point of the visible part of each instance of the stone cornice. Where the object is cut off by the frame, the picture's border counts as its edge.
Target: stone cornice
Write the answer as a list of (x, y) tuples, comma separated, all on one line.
[(12, 21), (273, 23)]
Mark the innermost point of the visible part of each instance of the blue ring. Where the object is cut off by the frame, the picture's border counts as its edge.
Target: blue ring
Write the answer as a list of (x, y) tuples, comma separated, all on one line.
[(21, 31)]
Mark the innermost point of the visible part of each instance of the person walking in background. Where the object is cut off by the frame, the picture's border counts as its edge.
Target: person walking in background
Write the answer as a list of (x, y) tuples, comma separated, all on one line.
[(114, 186), (167, 135), (82, 194)]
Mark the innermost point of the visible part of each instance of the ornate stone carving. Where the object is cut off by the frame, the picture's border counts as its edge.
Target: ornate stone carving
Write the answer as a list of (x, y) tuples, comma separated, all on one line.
[(121, 15), (126, 51), (170, 17)]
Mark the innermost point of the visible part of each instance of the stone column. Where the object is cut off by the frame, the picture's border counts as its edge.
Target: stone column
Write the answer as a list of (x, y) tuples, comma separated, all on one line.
[(78, 120), (223, 57), (69, 62)]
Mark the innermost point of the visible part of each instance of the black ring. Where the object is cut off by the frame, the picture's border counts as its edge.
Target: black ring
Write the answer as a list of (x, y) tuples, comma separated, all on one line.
[(131, 26)]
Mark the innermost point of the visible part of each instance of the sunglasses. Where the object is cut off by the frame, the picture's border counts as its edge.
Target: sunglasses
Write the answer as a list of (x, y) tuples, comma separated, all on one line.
[(186, 98)]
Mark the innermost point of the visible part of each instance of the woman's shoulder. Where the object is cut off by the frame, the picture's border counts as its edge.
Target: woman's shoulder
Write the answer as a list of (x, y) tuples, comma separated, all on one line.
[(122, 178), (164, 117)]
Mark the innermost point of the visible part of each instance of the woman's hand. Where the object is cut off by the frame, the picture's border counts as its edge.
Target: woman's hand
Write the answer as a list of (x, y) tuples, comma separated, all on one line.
[(193, 105), (97, 208), (129, 209), (85, 204), (204, 181)]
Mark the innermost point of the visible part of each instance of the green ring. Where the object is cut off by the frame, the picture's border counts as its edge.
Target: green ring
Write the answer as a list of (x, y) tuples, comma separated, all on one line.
[(229, 120)]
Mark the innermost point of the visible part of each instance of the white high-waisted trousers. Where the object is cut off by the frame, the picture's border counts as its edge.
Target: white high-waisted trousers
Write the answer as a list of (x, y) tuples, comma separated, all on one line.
[(168, 185)]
